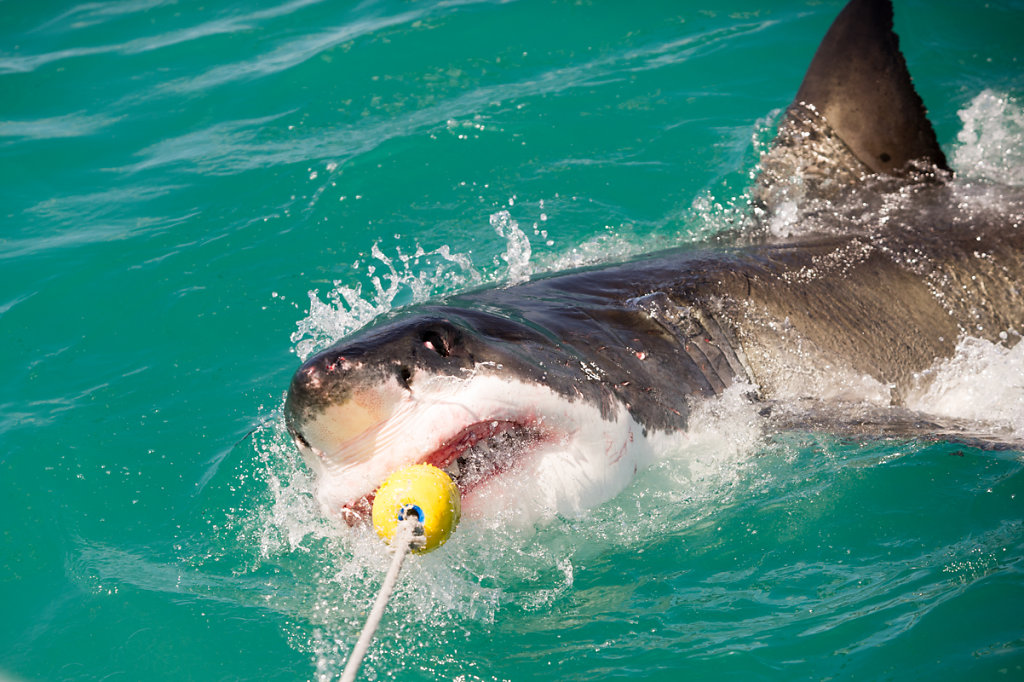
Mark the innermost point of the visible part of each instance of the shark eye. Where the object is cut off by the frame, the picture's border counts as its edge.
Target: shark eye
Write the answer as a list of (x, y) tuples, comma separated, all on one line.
[(435, 342)]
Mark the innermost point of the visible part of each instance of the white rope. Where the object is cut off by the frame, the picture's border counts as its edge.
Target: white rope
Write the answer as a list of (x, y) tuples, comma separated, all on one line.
[(408, 534)]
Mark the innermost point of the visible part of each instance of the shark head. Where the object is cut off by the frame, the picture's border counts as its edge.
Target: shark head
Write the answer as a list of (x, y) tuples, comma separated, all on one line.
[(479, 395)]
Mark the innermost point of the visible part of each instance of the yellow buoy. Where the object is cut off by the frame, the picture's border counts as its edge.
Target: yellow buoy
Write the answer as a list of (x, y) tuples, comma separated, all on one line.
[(421, 490)]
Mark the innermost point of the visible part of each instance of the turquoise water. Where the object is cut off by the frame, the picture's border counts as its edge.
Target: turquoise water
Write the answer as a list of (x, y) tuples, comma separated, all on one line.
[(196, 195)]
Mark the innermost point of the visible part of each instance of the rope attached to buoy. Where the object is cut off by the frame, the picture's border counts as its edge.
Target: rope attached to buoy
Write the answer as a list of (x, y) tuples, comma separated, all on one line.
[(409, 534), (416, 510)]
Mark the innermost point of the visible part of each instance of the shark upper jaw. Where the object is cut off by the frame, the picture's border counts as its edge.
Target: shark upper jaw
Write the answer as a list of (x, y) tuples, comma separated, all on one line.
[(486, 449)]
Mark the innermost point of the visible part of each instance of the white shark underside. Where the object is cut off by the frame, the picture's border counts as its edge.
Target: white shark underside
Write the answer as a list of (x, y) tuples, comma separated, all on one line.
[(583, 372)]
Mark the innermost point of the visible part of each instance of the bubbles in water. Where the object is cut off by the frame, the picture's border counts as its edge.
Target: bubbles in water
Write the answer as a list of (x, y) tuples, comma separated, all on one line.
[(596, 250), (710, 217), (723, 431)]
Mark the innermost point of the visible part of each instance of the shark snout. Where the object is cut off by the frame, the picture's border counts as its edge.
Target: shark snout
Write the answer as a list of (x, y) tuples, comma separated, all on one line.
[(334, 399)]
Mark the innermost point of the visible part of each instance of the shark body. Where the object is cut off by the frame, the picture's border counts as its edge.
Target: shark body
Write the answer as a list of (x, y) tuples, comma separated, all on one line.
[(581, 375)]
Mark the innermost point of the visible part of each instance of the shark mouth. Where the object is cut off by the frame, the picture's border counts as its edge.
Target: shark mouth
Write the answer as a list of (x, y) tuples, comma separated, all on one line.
[(472, 457), (484, 450)]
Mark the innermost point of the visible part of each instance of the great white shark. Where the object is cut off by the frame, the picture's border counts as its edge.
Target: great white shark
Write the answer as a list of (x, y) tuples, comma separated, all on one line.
[(581, 374)]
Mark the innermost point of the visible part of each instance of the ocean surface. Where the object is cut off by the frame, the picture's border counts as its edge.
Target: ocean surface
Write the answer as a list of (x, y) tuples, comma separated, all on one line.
[(198, 195)]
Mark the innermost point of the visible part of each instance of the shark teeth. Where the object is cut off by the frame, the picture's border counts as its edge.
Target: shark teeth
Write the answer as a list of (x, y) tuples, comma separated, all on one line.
[(483, 450), (453, 469)]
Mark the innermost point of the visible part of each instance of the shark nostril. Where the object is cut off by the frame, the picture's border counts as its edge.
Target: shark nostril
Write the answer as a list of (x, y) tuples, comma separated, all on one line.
[(404, 377)]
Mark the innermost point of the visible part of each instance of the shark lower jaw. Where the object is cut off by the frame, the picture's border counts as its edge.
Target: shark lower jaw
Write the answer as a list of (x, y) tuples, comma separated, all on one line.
[(474, 456)]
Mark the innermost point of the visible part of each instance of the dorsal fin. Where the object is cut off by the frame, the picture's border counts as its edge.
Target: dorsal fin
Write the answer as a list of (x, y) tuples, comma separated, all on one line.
[(856, 113), (858, 80)]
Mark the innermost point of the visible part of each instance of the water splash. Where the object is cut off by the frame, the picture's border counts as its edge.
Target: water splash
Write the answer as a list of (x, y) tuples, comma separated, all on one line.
[(982, 381), (517, 252), (393, 281), (406, 278), (990, 145)]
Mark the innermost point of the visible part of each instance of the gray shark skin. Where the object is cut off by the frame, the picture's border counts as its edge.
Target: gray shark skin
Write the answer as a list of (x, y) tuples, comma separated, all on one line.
[(896, 262)]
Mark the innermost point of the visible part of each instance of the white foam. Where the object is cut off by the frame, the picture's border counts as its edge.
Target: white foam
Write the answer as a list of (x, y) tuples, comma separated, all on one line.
[(292, 515), (990, 146), (595, 250), (982, 382), (722, 432)]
